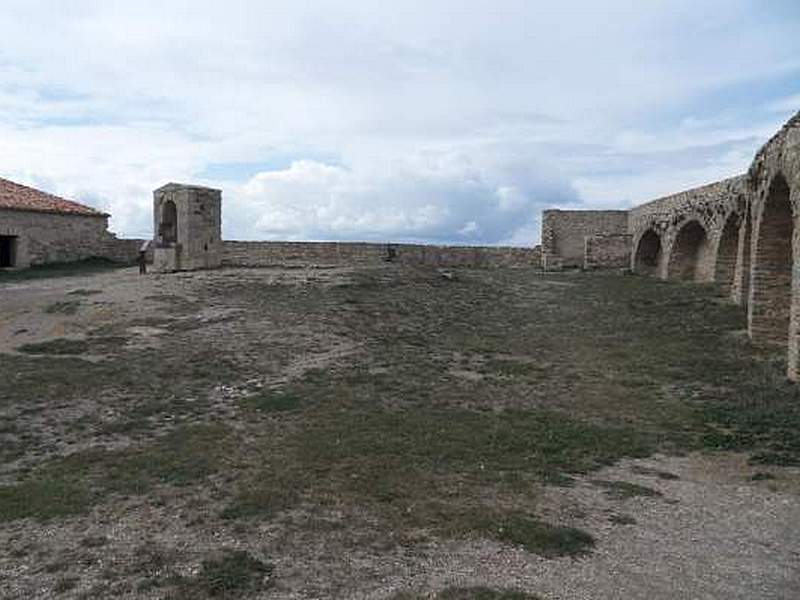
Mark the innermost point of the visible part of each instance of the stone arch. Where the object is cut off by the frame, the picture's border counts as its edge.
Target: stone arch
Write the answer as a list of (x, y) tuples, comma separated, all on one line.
[(647, 258), (771, 281), (688, 258), (727, 253), (168, 227)]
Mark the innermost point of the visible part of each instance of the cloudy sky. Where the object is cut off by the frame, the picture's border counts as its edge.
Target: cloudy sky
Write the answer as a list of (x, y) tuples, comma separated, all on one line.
[(433, 120)]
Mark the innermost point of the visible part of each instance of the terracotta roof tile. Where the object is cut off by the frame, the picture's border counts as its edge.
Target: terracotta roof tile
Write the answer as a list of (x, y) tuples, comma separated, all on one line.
[(14, 196)]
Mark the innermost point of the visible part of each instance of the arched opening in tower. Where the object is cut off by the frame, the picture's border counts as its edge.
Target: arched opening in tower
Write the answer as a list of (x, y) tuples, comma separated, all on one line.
[(727, 251), (772, 268), (689, 256), (168, 228), (648, 253)]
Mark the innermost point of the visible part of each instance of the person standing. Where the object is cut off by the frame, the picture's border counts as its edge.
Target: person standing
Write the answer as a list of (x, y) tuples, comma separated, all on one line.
[(142, 260)]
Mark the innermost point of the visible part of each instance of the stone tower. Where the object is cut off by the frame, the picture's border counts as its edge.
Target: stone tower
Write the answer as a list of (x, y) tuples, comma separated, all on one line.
[(187, 228)]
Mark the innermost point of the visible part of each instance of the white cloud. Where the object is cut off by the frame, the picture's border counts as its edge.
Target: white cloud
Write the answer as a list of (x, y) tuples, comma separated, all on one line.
[(426, 197), (786, 105), (451, 120)]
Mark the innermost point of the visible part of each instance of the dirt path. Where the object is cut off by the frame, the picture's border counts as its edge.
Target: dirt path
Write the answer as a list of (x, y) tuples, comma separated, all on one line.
[(713, 535)]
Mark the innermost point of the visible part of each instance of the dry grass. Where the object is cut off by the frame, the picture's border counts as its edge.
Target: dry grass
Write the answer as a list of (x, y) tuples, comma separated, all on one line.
[(565, 373)]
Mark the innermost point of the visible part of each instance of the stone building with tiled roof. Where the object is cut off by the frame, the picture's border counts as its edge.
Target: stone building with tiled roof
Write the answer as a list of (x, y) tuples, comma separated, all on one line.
[(38, 228)]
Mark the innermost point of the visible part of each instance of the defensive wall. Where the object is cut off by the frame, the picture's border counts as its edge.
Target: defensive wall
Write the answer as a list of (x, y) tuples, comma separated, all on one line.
[(271, 254), (294, 254), (742, 234), (564, 234)]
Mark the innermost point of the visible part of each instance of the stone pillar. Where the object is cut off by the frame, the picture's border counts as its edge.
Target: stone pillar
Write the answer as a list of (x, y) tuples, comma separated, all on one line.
[(740, 289), (793, 358)]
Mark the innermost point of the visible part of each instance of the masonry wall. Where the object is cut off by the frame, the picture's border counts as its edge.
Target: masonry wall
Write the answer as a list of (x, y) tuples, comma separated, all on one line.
[(564, 233), (50, 237), (774, 284), (702, 202), (265, 254), (607, 251), (710, 206), (125, 251)]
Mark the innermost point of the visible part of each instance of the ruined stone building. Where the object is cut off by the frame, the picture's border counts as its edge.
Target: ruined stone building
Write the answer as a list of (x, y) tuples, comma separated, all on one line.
[(187, 221), (742, 233), (38, 228)]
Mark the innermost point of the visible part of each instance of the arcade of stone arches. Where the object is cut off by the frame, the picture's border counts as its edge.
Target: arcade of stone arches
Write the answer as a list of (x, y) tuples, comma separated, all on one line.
[(749, 251)]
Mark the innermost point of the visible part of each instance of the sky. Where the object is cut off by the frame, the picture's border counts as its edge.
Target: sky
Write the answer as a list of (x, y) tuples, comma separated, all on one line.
[(439, 121)]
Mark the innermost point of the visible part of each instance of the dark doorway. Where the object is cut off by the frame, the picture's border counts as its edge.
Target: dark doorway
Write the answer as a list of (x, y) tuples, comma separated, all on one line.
[(648, 253), (169, 223), (688, 253), (8, 251)]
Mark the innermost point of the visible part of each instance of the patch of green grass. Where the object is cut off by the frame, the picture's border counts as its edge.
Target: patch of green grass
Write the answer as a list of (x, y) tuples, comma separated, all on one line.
[(43, 499), (70, 485), (468, 593), (621, 490), (664, 475), (421, 466), (261, 499), (126, 426), (64, 307), (544, 539), (182, 457), (234, 574), (71, 269), (622, 520), (760, 414), (272, 401), (57, 566), (94, 541), (508, 367), (65, 584), (58, 346), (392, 457)]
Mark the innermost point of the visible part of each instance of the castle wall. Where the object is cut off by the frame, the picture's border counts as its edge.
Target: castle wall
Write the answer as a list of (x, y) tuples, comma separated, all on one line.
[(124, 251), (564, 233), (773, 184), (607, 251), (268, 254), (710, 206), (741, 233)]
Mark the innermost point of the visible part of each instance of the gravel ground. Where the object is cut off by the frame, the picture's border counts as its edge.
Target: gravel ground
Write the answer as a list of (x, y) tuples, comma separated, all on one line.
[(709, 530)]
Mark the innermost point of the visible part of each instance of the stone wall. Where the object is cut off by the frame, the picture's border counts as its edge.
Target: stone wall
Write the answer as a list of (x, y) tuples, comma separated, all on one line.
[(564, 233), (607, 251), (773, 183), (674, 220), (125, 251), (52, 237), (267, 254), (740, 233)]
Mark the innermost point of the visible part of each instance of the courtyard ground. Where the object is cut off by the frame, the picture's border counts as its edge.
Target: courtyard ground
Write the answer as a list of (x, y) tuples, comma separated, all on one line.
[(394, 432)]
